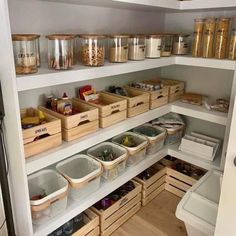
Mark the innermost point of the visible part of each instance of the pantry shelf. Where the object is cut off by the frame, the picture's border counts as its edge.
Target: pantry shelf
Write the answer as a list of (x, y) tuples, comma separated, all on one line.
[(173, 150), (74, 208), (47, 77)]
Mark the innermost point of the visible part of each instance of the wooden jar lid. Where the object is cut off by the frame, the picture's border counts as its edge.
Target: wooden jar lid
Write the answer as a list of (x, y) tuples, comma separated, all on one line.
[(61, 36), (92, 36), (24, 37), (119, 36)]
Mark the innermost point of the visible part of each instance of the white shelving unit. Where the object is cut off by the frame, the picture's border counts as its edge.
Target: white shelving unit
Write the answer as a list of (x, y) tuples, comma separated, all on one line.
[(104, 16)]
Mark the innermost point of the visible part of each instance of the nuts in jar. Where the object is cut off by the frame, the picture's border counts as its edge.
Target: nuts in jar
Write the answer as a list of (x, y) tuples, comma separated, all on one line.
[(92, 50)]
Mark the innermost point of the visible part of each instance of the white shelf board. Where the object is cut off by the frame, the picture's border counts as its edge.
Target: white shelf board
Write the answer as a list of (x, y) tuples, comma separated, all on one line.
[(67, 149), (199, 112), (173, 150), (74, 208), (47, 77)]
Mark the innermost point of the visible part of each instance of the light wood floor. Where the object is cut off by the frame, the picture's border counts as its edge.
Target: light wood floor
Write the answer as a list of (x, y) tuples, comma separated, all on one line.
[(155, 219)]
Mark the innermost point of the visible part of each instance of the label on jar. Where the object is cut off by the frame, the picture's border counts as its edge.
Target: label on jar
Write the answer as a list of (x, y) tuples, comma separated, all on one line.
[(26, 59)]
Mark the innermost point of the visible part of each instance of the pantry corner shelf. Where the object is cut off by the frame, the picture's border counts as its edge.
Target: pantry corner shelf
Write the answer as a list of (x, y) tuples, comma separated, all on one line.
[(48, 77), (74, 208)]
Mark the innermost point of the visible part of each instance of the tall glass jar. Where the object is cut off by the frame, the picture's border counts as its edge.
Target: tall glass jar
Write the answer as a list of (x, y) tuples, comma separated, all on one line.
[(153, 46), (118, 48), (92, 49), (137, 47), (25, 54), (60, 51), (232, 43), (197, 38), (180, 44), (166, 44), (208, 37), (221, 37)]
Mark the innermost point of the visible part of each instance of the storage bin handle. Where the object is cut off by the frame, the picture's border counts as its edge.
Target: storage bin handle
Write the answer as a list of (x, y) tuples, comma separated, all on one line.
[(115, 111), (123, 201), (160, 96), (138, 104)]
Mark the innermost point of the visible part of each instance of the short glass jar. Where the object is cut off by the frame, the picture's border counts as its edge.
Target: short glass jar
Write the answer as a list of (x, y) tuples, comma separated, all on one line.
[(118, 48), (60, 51), (166, 45), (180, 44), (137, 47), (25, 53), (153, 46), (197, 38), (92, 49)]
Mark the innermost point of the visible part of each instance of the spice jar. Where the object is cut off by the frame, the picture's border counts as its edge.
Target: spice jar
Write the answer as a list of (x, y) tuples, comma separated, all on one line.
[(60, 51), (153, 46), (25, 54), (93, 49), (221, 38), (197, 37), (208, 37), (137, 47), (166, 44), (118, 48), (180, 44)]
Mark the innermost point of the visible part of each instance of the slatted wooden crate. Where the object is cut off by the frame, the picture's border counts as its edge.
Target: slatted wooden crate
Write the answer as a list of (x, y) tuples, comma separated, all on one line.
[(91, 227), (154, 185), (176, 89), (118, 213), (137, 101), (78, 125), (34, 140), (113, 111)]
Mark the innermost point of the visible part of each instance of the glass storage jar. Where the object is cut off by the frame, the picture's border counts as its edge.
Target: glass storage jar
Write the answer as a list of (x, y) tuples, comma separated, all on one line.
[(232, 43), (180, 44), (166, 44), (118, 48), (197, 38), (137, 47), (60, 51), (92, 49), (153, 46), (208, 37), (25, 53), (221, 37)]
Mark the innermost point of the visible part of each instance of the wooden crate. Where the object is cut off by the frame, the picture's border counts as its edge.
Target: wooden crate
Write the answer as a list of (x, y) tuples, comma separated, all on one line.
[(117, 214), (137, 101), (113, 112), (154, 185), (52, 127), (176, 89), (78, 125), (91, 227)]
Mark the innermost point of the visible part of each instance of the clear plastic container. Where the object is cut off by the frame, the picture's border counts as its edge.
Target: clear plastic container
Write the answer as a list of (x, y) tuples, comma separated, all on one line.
[(166, 44), (153, 46), (180, 44), (83, 174), (137, 47), (155, 142), (92, 49), (221, 38), (48, 195), (136, 154), (118, 48), (197, 38), (111, 169), (60, 51), (208, 37), (25, 53)]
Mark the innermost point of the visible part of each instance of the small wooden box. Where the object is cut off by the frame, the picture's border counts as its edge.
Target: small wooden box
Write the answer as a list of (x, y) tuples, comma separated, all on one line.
[(154, 185), (91, 227), (117, 214), (52, 128), (78, 125), (176, 89), (137, 101), (114, 110)]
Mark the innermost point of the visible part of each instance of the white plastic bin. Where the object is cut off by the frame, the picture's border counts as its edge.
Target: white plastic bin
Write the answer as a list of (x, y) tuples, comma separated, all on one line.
[(136, 154), (83, 174), (54, 187), (198, 208), (111, 169), (155, 142)]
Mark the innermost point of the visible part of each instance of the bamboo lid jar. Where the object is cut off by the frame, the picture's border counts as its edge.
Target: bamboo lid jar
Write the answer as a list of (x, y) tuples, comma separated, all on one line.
[(137, 47), (153, 46)]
